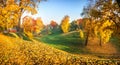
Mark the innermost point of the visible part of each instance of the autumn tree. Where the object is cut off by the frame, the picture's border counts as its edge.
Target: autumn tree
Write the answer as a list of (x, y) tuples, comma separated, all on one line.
[(102, 12), (27, 26), (88, 27), (109, 13), (53, 24), (39, 25), (32, 26), (88, 22), (9, 14), (22, 6), (26, 5), (55, 28), (65, 24)]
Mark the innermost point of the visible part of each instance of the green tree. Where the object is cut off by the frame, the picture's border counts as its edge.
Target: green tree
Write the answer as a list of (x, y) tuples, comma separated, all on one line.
[(73, 25)]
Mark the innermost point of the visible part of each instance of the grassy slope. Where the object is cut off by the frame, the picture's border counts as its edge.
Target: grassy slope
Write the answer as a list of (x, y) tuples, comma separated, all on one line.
[(15, 51), (71, 42)]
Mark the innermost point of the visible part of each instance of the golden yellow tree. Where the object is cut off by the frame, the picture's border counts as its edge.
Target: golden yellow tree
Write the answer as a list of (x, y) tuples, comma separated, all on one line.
[(21, 6), (106, 30), (39, 25), (9, 15), (27, 26), (81, 34), (65, 24)]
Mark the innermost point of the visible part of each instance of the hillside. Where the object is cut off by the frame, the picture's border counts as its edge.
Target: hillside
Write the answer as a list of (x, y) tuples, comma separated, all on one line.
[(72, 43), (15, 51)]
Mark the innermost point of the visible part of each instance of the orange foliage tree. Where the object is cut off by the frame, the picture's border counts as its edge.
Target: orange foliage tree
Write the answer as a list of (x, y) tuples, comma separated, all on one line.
[(65, 24), (53, 24), (79, 23), (31, 25), (27, 26)]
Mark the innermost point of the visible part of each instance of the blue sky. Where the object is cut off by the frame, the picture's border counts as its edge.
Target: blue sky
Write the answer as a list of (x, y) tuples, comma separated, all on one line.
[(57, 9)]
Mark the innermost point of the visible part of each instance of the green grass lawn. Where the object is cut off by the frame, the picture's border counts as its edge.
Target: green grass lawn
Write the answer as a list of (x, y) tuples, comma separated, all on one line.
[(116, 42), (70, 42)]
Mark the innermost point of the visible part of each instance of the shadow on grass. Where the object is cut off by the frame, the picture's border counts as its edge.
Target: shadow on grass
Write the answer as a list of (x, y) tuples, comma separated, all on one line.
[(23, 36), (116, 42)]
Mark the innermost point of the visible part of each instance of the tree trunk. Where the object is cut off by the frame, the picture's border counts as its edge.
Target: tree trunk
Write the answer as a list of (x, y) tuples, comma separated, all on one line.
[(19, 29), (100, 41), (87, 38)]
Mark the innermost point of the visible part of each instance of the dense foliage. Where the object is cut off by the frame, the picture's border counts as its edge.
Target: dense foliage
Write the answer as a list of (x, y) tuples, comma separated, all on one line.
[(102, 19), (31, 26)]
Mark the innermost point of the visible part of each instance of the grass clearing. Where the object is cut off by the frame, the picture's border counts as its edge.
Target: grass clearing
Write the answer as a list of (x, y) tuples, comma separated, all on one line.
[(72, 43), (67, 42)]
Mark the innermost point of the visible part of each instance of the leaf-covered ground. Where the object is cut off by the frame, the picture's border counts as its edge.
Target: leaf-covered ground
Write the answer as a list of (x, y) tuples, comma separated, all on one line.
[(15, 51), (106, 48)]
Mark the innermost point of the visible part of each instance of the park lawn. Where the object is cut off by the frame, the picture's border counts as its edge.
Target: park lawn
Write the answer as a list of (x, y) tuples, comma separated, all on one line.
[(72, 43), (69, 42)]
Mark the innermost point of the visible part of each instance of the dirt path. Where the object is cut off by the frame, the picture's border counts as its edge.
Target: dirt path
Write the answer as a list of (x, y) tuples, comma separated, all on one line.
[(69, 33), (107, 48)]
